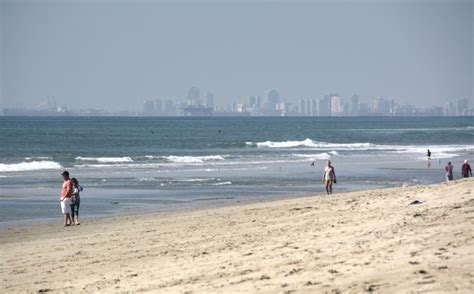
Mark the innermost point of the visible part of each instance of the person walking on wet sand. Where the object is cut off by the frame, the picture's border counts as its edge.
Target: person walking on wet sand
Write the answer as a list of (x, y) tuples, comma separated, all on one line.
[(466, 170), (428, 153), (65, 199), (449, 172), (329, 177)]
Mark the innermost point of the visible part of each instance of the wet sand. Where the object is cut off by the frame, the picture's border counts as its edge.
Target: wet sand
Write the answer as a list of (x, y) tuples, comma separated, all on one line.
[(418, 238)]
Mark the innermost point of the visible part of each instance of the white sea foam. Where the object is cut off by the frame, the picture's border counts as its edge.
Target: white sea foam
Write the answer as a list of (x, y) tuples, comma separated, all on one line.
[(311, 144), (308, 143), (197, 180), (147, 179), (193, 159), (29, 166), (222, 183), (319, 156), (105, 159), (442, 151), (38, 158)]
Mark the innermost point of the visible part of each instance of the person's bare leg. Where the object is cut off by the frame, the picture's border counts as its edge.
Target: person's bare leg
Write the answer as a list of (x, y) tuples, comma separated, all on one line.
[(327, 187), (330, 187), (67, 219)]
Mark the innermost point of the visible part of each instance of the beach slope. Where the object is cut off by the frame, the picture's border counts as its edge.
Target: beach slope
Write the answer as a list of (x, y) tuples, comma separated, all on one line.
[(418, 238)]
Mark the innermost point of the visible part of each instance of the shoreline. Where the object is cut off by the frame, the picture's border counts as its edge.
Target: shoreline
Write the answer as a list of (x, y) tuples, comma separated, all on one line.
[(370, 240)]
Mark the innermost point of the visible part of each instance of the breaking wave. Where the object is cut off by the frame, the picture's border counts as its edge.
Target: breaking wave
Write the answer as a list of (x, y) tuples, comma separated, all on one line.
[(310, 143), (29, 166), (193, 159), (105, 159)]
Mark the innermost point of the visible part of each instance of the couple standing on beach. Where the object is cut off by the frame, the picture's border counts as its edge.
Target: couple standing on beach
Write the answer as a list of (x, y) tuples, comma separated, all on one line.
[(466, 170), (70, 200)]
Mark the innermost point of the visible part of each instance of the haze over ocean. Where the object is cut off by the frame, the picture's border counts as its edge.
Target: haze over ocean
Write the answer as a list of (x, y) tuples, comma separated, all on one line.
[(132, 164)]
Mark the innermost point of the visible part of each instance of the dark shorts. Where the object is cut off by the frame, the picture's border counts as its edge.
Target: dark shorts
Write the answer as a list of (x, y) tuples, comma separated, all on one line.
[(75, 208)]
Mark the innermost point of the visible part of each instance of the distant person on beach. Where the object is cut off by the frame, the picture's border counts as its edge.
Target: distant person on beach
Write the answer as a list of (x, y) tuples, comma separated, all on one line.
[(66, 193), (466, 170), (75, 201), (449, 172), (428, 153), (329, 177)]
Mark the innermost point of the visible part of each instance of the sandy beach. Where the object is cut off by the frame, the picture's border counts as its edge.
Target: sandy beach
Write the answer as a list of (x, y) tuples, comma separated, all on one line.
[(407, 239)]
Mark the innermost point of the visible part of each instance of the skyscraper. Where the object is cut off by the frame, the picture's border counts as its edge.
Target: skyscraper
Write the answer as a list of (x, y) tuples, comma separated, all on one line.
[(193, 96), (158, 107), (210, 100), (462, 108), (273, 97), (148, 107), (336, 105), (354, 105)]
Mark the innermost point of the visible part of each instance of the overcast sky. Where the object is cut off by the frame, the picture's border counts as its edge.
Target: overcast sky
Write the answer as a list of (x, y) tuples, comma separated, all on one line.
[(115, 54)]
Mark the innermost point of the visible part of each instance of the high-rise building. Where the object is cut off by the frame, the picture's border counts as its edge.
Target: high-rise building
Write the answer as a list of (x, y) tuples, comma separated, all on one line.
[(272, 98), (252, 101), (193, 96), (302, 107), (148, 107), (336, 105), (324, 106), (255, 101), (170, 108), (393, 108), (462, 108), (449, 109), (353, 108), (313, 107), (380, 106), (158, 107), (210, 100)]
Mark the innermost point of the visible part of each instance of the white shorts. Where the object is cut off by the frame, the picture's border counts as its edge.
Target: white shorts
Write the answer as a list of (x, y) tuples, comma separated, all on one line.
[(66, 205)]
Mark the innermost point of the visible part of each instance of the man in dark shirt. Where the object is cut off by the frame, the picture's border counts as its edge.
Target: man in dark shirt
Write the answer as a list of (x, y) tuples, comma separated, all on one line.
[(466, 169)]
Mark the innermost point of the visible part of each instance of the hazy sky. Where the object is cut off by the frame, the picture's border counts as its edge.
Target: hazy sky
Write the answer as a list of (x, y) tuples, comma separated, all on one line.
[(115, 54)]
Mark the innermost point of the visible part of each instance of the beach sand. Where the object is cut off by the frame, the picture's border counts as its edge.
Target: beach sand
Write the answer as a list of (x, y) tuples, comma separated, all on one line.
[(352, 242)]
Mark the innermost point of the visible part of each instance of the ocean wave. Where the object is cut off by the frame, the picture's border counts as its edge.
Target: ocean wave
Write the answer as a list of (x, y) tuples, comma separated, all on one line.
[(197, 180), (320, 156), (105, 159), (222, 183), (442, 151), (309, 143), (38, 158), (147, 179), (29, 166), (193, 159)]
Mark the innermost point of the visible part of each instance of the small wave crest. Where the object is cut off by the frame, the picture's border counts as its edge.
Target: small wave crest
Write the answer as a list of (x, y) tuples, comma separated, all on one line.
[(320, 156), (193, 159), (105, 159), (222, 183), (38, 158), (311, 144), (29, 166)]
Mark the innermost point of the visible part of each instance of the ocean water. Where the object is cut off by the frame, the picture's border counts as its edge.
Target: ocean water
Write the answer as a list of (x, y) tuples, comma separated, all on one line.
[(131, 165)]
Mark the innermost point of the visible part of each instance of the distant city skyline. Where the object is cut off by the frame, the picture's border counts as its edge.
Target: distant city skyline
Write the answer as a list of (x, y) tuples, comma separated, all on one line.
[(270, 104), (115, 55)]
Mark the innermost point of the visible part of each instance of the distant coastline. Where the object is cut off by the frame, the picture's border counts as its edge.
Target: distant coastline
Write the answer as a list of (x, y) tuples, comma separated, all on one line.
[(11, 112)]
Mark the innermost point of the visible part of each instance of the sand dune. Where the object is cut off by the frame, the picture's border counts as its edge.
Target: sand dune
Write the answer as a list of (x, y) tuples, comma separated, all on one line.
[(365, 241)]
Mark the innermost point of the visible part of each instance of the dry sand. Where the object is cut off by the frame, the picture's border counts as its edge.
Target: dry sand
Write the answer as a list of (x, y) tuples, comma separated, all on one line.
[(352, 242)]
